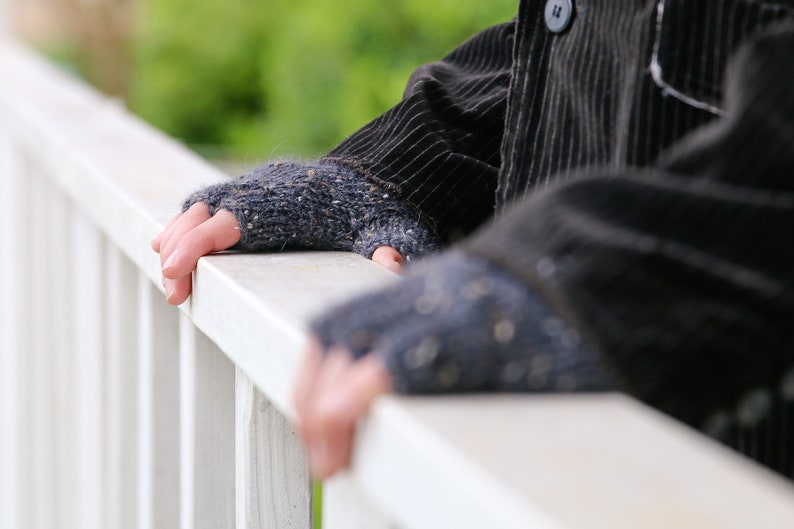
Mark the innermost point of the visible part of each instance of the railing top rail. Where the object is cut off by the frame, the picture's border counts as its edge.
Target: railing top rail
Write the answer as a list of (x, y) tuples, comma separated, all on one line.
[(495, 461)]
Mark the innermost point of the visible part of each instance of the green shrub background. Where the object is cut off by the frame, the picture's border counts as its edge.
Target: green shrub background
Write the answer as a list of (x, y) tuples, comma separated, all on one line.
[(262, 78)]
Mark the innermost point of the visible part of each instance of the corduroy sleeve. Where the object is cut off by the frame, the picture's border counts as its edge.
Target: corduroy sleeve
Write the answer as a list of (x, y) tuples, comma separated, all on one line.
[(439, 148), (682, 276)]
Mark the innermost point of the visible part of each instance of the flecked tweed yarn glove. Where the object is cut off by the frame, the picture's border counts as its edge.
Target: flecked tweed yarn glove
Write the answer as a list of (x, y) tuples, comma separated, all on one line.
[(320, 206), (457, 323)]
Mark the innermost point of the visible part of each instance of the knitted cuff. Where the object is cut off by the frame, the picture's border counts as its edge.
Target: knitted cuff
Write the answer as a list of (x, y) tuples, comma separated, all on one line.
[(320, 206), (458, 323)]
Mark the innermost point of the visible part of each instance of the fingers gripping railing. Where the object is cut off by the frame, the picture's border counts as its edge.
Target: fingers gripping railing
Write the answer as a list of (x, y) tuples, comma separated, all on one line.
[(119, 411)]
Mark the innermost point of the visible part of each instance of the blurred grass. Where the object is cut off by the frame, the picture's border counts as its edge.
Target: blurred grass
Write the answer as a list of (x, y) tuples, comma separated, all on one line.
[(317, 504)]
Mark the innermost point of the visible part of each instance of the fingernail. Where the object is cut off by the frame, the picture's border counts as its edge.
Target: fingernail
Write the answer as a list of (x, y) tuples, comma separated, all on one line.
[(171, 260), (169, 288)]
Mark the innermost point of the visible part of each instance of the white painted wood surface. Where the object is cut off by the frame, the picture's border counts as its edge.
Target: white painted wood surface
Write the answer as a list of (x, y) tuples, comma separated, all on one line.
[(158, 411), (113, 350), (11, 275), (560, 462), (273, 485), (88, 323), (41, 376), (63, 359), (346, 506), (121, 400), (206, 432)]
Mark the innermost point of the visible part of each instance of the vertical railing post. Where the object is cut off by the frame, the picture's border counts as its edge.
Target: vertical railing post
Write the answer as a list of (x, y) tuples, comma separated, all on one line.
[(63, 357), (206, 432), (158, 410), (89, 320), (121, 413), (19, 334), (10, 330), (40, 376), (274, 488)]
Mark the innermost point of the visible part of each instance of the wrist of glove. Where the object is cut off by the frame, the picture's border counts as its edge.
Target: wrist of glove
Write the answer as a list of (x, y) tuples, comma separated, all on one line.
[(321, 206), (458, 323)]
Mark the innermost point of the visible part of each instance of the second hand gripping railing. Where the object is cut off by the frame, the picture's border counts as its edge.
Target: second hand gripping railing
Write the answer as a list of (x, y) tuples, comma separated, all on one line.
[(119, 411)]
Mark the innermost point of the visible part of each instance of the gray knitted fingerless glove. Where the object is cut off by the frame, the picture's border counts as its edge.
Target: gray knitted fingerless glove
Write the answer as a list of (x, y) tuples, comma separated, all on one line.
[(320, 206), (458, 323)]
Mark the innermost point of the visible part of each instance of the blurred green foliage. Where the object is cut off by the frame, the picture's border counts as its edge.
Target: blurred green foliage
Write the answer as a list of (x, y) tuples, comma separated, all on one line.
[(264, 78)]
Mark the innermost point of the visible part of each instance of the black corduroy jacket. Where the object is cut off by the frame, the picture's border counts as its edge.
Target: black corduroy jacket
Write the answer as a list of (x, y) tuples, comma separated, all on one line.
[(637, 172)]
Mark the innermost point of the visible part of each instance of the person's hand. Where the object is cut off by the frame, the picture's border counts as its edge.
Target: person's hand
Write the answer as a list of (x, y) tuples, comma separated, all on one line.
[(455, 323), (187, 237), (196, 233), (332, 392)]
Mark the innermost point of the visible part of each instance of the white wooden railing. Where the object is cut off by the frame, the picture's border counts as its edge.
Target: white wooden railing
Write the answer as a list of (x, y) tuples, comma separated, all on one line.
[(119, 411)]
